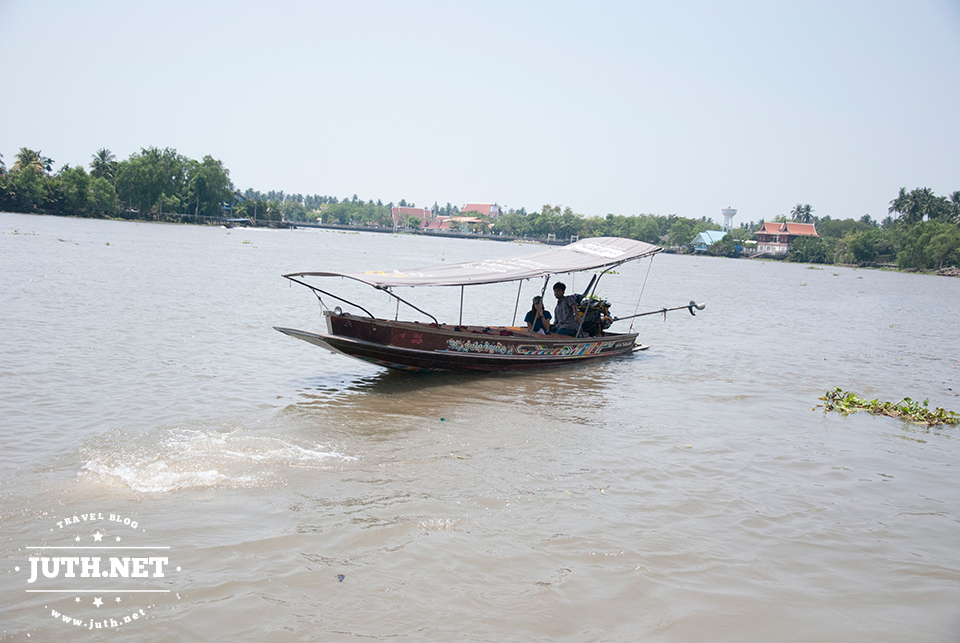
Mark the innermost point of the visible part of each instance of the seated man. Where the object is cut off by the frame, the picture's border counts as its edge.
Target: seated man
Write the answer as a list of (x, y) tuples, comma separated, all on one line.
[(565, 314)]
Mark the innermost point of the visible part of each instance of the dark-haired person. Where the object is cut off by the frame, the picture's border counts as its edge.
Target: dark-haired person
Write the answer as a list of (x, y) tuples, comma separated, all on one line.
[(565, 314), (538, 319)]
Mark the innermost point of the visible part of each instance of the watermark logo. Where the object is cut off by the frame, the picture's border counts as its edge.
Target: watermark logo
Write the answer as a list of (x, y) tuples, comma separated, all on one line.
[(99, 571)]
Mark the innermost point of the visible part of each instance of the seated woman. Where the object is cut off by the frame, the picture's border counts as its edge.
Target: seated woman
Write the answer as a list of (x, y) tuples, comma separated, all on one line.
[(538, 319)]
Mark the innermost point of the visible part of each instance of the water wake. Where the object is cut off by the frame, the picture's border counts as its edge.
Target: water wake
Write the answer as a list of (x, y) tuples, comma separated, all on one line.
[(173, 459)]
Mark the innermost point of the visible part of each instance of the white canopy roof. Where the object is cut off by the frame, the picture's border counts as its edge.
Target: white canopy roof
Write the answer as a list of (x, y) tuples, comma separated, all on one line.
[(585, 254)]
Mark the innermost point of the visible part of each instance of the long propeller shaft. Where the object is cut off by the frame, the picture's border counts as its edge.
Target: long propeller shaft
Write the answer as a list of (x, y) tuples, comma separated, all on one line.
[(692, 307)]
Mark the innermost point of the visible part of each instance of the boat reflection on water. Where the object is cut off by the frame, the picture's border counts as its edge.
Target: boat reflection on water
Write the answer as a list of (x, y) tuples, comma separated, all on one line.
[(389, 400)]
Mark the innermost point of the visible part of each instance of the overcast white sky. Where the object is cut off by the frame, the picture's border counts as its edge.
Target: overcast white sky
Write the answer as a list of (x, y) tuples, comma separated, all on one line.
[(681, 107)]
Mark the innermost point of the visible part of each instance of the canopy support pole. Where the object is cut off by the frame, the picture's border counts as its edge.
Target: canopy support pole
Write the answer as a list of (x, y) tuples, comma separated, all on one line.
[(517, 305), (460, 323), (409, 304), (316, 290), (546, 280)]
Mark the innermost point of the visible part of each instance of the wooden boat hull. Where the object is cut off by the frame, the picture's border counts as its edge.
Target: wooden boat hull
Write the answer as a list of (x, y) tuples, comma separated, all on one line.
[(427, 347)]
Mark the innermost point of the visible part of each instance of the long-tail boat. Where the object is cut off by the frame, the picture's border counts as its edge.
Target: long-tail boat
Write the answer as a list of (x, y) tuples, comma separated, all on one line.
[(438, 346)]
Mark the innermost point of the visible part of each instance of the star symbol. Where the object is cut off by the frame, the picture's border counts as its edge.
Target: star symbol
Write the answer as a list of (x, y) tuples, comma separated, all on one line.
[(118, 599), (118, 538), (77, 539), (77, 599), (97, 601), (98, 536)]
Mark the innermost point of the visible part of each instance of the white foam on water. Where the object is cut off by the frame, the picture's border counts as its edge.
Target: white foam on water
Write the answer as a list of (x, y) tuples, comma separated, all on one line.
[(175, 459), (153, 477), (439, 524)]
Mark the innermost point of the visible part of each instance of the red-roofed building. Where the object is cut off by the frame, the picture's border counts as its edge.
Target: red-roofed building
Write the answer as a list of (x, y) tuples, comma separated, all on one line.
[(775, 237), (491, 210), (438, 224), (400, 215)]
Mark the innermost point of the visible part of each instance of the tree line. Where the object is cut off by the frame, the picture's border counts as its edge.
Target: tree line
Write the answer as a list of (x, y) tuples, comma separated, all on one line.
[(921, 230), (145, 186), (564, 223)]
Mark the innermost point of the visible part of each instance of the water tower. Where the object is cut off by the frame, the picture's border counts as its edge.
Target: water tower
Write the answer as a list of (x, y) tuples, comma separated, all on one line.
[(728, 214)]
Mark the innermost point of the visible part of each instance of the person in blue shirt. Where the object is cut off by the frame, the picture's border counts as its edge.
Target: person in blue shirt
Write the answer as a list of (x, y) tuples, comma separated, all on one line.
[(538, 319)]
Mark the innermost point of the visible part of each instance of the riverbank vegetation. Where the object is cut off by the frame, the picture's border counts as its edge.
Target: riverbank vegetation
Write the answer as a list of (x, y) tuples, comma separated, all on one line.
[(921, 231)]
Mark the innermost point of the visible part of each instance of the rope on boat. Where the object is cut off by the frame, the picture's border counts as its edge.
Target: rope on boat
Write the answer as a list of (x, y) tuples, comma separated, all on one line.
[(323, 306), (642, 288)]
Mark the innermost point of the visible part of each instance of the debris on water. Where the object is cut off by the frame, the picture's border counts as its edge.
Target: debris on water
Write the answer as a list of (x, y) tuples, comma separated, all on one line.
[(340, 577), (846, 402), (443, 419)]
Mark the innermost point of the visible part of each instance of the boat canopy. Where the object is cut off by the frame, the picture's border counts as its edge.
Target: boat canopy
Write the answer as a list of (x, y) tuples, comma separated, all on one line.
[(586, 254)]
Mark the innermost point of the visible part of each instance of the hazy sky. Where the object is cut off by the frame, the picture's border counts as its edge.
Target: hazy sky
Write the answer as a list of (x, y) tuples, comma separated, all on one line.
[(624, 107)]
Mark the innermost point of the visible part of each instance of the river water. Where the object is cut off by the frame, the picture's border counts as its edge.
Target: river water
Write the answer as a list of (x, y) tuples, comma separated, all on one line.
[(691, 492)]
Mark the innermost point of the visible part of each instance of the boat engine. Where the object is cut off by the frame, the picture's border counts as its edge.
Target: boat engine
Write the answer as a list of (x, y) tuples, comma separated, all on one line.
[(595, 314)]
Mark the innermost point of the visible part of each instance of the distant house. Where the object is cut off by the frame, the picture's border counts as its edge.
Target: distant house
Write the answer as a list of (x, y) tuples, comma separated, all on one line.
[(461, 223), (440, 223), (491, 210), (775, 237), (706, 239), (400, 215)]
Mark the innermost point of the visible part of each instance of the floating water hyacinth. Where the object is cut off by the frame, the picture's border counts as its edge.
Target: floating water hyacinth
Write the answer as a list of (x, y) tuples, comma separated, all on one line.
[(906, 409)]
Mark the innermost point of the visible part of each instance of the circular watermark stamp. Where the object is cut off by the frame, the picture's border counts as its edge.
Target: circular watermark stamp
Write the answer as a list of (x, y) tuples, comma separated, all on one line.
[(98, 571)]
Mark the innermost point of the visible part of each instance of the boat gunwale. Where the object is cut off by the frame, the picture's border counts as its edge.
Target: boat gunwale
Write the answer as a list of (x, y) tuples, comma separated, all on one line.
[(445, 360), (519, 333)]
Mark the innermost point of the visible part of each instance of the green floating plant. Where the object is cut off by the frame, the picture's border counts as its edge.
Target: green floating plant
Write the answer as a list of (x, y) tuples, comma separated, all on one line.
[(846, 402)]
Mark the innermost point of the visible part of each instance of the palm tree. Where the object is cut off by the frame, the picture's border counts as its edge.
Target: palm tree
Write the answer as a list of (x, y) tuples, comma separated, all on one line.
[(916, 205), (802, 213), (104, 164), (28, 159), (924, 198), (954, 204), (902, 204)]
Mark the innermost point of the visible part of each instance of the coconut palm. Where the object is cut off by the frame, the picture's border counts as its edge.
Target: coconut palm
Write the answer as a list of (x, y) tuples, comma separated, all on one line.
[(902, 205), (802, 213), (29, 159), (916, 205), (104, 164), (925, 200)]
